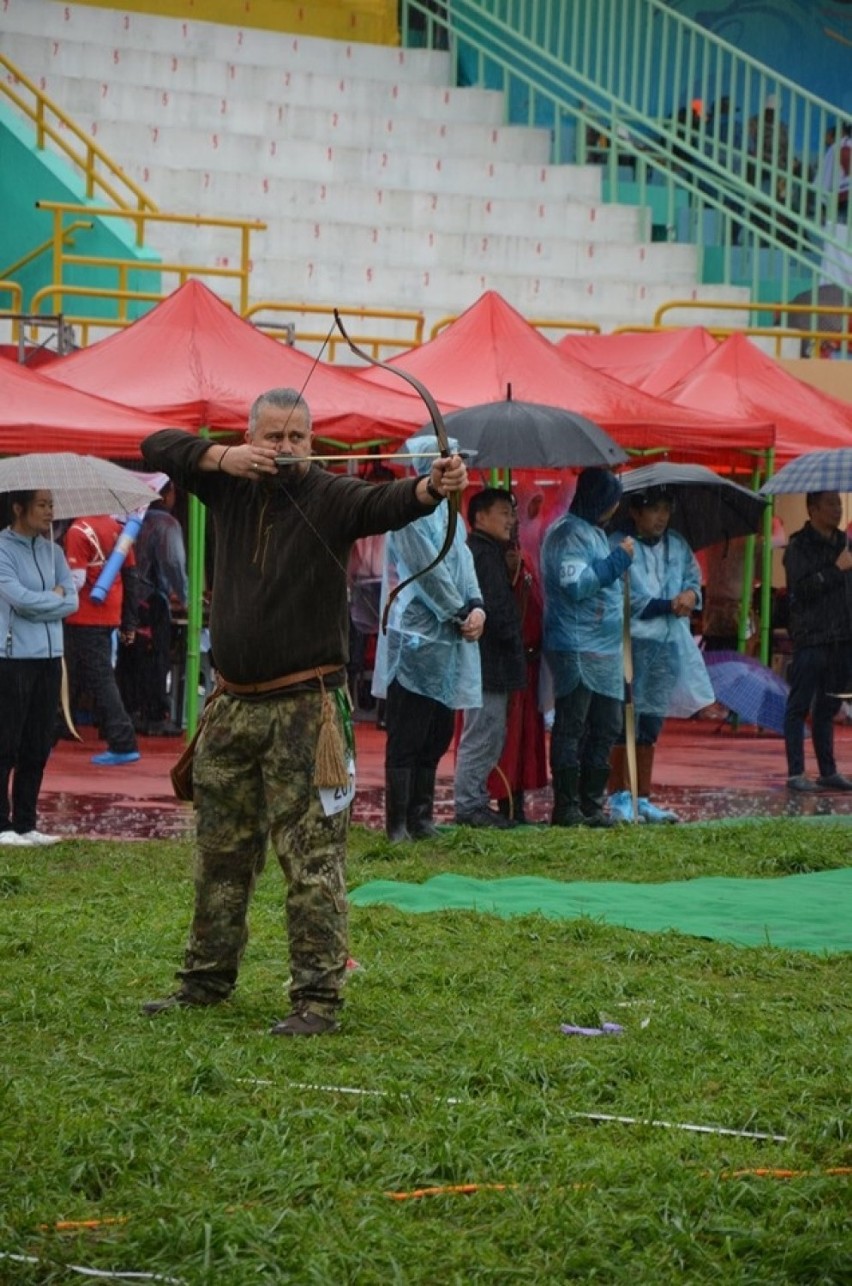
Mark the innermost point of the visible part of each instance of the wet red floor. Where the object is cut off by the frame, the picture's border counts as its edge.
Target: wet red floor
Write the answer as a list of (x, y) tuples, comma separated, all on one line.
[(703, 770)]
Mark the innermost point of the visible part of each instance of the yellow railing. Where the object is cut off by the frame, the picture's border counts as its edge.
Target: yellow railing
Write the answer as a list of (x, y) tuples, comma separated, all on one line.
[(776, 333), (16, 304), (36, 253), (540, 323), (329, 340), (102, 174), (61, 259)]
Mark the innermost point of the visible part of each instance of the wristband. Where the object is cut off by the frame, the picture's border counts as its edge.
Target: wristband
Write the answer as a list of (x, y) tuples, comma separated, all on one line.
[(221, 458), (433, 490)]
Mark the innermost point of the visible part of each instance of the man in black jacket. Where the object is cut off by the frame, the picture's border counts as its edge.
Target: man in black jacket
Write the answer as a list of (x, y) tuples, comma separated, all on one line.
[(818, 563), (491, 515)]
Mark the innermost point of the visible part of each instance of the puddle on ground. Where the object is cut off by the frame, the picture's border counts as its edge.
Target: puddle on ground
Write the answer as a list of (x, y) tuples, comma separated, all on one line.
[(161, 817)]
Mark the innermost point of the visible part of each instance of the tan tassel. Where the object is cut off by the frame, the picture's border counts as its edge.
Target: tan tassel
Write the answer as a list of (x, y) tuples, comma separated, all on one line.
[(330, 769)]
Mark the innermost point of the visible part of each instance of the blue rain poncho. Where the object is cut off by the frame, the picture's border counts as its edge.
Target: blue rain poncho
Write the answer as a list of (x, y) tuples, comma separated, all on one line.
[(423, 649), (669, 674), (583, 608)]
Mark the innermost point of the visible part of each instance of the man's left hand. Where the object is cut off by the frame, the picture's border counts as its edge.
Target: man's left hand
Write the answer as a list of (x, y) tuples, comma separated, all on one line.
[(449, 474)]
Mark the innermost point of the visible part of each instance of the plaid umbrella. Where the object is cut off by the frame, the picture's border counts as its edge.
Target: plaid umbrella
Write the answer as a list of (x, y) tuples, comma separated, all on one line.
[(829, 470), (81, 484), (753, 691)]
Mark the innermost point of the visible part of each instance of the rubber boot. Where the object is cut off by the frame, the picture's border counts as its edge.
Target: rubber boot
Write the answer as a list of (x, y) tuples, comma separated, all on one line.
[(617, 770), (592, 795), (566, 798), (513, 808), (398, 783), (649, 812), (421, 805)]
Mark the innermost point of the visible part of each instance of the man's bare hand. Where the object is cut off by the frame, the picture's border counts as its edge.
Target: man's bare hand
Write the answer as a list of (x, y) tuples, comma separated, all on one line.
[(449, 474), (471, 629)]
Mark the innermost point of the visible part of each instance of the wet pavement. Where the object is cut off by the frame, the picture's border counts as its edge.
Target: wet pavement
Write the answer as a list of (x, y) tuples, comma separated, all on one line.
[(704, 771)]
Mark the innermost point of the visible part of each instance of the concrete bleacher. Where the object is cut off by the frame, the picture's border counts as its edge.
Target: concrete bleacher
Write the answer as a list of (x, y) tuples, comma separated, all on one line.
[(382, 184)]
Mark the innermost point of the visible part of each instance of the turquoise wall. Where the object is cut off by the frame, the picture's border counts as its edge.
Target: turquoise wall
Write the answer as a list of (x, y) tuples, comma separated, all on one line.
[(28, 175)]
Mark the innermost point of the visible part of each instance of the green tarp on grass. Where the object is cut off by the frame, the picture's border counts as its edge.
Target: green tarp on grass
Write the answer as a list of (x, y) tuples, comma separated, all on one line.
[(804, 912)]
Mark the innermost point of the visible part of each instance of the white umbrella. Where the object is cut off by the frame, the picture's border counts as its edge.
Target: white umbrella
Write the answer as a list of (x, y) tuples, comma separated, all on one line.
[(81, 484)]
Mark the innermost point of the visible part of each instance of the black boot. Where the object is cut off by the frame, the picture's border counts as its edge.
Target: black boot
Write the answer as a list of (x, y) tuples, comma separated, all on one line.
[(421, 805), (592, 795), (398, 783), (566, 798), (513, 808)]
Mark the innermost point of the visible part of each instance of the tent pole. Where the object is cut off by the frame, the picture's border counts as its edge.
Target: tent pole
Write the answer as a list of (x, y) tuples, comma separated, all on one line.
[(766, 576), (748, 578)]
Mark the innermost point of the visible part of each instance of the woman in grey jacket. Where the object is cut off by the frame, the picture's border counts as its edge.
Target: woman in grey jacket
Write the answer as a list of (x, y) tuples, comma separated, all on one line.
[(36, 593)]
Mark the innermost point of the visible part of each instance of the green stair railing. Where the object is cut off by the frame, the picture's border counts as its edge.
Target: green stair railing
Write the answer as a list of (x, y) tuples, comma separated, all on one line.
[(724, 152)]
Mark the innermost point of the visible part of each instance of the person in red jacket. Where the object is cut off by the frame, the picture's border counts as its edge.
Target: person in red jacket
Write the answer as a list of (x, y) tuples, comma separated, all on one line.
[(88, 633)]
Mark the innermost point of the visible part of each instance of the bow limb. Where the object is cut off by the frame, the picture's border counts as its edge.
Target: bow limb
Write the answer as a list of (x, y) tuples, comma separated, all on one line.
[(443, 443)]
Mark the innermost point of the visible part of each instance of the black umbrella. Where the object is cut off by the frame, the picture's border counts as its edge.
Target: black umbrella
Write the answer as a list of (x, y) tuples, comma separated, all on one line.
[(530, 435), (707, 508)]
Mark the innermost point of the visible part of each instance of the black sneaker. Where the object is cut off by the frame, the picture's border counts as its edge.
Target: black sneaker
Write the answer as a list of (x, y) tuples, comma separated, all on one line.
[(485, 817), (802, 784), (304, 1022), (835, 781)]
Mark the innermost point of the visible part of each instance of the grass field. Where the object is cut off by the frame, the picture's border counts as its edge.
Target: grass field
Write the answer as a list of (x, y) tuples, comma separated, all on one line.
[(204, 1150)]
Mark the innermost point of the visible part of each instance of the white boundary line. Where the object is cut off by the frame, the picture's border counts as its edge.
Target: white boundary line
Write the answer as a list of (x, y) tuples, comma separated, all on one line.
[(586, 1116), (104, 1274)]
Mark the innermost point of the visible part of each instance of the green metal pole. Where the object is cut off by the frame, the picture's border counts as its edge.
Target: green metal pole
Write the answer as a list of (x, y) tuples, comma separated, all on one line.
[(196, 521)]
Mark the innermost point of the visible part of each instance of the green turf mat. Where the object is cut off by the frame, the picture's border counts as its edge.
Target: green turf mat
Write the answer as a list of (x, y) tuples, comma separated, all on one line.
[(804, 912)]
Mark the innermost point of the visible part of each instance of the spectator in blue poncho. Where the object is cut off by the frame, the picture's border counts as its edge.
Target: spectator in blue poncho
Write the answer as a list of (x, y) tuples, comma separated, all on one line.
[(669, 674), (583, 620), (427, 665)]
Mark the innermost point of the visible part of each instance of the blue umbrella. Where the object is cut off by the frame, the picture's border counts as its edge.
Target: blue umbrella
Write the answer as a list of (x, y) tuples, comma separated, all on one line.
[(753, 691), (827, 470)]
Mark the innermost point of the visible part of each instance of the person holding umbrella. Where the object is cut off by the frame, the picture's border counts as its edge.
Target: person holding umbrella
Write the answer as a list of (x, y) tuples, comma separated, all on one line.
[(818, 563), (665, 589), (36, 593), (583, 625)]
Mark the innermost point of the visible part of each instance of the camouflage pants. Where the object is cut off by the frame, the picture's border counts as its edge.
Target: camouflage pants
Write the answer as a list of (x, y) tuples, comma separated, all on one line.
[(253, 782)]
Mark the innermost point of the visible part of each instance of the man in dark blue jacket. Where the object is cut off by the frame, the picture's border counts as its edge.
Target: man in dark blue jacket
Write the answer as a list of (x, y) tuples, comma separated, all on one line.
[(818, 564)]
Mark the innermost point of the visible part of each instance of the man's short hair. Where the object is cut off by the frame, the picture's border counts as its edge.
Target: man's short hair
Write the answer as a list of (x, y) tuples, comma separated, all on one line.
[(286, 399), (813, 498), (486, 499)]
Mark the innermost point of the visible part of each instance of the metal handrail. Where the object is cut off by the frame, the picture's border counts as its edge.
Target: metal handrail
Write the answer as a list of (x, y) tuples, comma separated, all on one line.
[(776, 332), (540, 323), (142, 218), (331, 342), (622, 76), (16, 294), (120, 188), (39, 250)]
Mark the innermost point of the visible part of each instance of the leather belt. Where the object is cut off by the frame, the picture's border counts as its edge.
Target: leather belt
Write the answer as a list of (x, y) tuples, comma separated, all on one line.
[(277, 685)]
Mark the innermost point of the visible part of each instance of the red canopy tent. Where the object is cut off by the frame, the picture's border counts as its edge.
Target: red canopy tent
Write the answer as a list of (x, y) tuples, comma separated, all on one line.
[(491, 352), (737, 378), (195, 361), (649, 360), (38, 415)]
